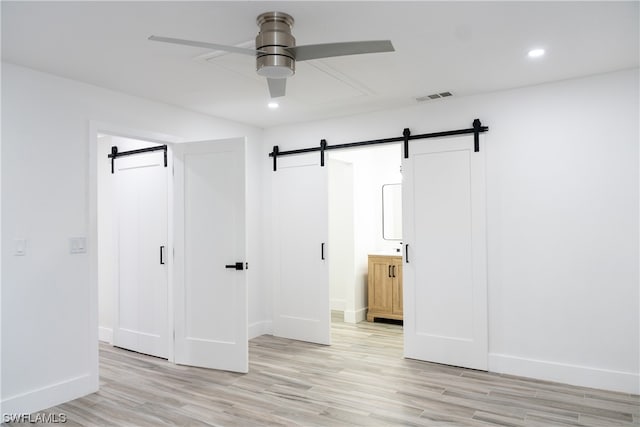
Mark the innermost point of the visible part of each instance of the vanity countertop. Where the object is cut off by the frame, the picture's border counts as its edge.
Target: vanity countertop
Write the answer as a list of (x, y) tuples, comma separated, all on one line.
[(387, 252)]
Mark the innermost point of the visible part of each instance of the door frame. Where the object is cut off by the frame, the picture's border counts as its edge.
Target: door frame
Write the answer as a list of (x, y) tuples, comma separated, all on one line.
[(95, 128)]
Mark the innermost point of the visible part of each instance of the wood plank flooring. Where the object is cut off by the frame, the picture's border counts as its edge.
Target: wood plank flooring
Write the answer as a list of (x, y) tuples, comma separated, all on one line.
[(360, 380)]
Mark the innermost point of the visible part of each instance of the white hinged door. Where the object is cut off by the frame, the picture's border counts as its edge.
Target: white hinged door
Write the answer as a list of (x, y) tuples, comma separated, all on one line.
[(210, 293)]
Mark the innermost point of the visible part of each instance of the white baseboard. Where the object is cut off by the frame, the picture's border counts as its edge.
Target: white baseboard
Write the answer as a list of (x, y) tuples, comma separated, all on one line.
[(585, 376), (46, 397), (337, 304), (260, 328), (355, 316), (255, 330), (105, 334)]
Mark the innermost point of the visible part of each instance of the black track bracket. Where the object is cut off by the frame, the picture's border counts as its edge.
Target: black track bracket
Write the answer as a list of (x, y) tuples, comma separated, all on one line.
[(406, 133), (323, 147), (274, 154), (477, 128)]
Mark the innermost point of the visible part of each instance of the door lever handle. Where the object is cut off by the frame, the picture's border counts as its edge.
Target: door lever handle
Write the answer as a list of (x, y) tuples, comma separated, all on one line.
[(236, 266)]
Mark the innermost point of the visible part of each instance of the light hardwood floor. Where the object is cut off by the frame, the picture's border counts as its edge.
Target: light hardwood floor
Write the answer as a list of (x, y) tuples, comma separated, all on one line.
[(361, 379)]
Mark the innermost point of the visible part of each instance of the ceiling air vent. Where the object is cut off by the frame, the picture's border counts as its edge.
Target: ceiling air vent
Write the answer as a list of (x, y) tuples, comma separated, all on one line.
[(433, 96)]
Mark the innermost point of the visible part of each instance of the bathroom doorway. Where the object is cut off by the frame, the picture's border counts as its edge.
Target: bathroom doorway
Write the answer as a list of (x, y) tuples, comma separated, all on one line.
[(357, 230)]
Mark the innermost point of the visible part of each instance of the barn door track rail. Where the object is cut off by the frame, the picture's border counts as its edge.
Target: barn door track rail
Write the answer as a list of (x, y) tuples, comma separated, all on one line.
[(115, 154), (476, 130)]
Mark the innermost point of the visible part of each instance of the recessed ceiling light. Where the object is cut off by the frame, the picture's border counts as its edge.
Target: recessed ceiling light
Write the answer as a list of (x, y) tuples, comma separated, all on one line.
[(536, 53), (273, 105)]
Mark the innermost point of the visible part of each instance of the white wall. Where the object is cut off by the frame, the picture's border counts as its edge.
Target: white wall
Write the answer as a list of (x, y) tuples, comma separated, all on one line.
[(49, 297), (106, 241), (562, 213), (341, 232)]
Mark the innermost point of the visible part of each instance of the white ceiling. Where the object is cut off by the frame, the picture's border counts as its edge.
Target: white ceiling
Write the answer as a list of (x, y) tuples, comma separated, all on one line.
[(462, 47)]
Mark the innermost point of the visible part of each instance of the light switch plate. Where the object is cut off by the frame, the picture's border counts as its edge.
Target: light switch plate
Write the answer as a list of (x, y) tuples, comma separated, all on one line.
[(19, 247), (77, 245)]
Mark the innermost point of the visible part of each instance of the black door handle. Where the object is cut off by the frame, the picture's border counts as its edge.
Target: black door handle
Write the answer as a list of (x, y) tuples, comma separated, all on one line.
[(236, 266), (406, 253), (161, 254), (322, 251), (389, 272)]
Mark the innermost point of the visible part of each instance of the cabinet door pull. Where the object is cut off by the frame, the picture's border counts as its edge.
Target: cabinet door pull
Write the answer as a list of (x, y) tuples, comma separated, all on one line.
[(393, 271), (389, 271), (406, 253), (322, 251), (161, 254)]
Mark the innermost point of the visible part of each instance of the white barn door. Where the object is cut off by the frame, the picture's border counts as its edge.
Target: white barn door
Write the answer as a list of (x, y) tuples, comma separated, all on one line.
[(140, 195), (301, 218), (210, 285), (445, 277)]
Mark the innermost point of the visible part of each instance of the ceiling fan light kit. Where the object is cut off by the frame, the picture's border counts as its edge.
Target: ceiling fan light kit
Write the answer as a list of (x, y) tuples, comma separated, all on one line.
[(276, 51), (274, 37)]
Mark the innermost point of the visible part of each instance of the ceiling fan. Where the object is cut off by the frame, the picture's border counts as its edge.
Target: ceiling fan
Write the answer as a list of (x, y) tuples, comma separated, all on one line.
[(276, 51)]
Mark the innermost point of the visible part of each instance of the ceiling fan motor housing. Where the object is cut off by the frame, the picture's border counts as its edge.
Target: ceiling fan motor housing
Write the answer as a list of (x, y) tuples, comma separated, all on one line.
[(274, 36)]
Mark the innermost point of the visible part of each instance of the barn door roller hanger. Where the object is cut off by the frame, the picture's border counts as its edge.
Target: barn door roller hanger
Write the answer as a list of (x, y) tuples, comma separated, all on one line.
[(476, 130)]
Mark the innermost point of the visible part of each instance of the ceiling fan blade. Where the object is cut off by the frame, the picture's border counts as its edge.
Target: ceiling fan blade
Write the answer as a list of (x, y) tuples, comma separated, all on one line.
[(317, 51), (277, 87), (206, 45)]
